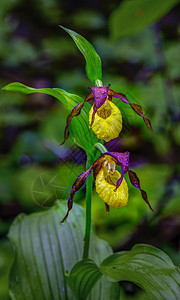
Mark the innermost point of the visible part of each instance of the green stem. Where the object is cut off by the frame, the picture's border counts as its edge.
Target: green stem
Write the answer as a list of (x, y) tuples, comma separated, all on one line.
[(88, 211), (99, 83), (87, 235), (101, 147)]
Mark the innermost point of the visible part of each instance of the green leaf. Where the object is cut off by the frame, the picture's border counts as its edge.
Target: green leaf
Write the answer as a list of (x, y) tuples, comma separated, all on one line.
[(79, 129), (132, 16), (69, 100), (93, 61), (82, 278), (148, 267), (45, 249)]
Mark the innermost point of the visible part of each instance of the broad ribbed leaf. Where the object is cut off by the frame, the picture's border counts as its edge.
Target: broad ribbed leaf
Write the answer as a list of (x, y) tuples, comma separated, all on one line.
[(45, 249), (82, 278), (79, 128), (148, 267), (93, 61), (133, 16)]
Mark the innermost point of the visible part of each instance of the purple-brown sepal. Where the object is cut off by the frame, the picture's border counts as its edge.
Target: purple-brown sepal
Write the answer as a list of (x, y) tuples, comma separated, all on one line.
[(137, 108), (135, 181), (76, 186), (74, 113)]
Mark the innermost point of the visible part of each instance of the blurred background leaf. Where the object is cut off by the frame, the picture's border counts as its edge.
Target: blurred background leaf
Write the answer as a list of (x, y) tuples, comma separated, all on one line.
[(133, 16), (6, 259)]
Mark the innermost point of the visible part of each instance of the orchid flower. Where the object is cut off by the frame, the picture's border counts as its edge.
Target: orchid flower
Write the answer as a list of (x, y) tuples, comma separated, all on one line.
[(104, 117), (110, 184)]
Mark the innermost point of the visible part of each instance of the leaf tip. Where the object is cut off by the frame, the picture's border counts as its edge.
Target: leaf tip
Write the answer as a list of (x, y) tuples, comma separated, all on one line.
[(62, 27), (6, 87)]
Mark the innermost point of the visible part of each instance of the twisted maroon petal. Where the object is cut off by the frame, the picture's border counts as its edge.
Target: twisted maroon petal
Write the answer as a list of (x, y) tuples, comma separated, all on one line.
[(135, 181), (76, 186), (100, 94), (137, 108), (75, 112), (97, 165), (89, 97)]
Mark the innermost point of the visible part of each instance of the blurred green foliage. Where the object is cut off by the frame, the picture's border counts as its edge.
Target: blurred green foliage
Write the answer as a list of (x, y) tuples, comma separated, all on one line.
[(6, 259), (133, 16), (144, 66)]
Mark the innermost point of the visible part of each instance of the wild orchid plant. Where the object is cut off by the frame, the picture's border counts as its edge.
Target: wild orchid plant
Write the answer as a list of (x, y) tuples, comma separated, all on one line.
[(103, 121)]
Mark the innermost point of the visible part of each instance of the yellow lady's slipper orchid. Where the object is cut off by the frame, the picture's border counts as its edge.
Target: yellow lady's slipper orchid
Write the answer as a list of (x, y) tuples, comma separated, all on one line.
[(110, 184), (106, 189), (107, 123), (104, 117)]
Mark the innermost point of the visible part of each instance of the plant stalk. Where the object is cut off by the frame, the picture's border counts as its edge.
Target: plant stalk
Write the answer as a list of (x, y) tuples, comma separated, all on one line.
[(101, 147), (99, 83)]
